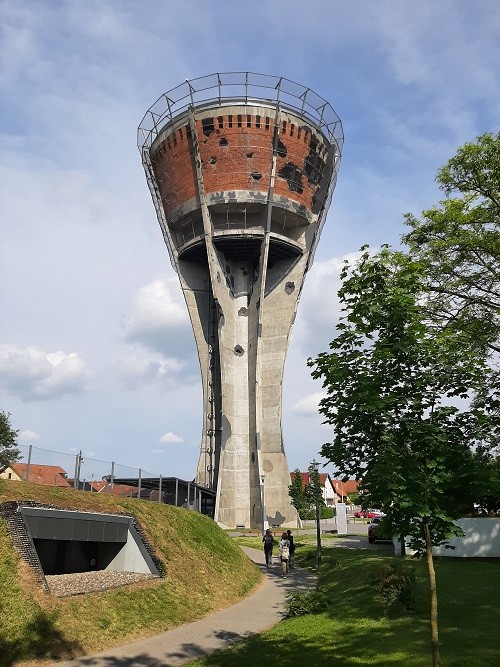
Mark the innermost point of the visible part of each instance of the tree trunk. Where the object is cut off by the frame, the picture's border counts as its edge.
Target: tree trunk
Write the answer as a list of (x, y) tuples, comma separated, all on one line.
[(436, 660)]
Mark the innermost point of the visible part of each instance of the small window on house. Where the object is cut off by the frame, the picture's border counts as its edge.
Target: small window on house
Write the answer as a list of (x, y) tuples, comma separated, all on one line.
[(230, 121), (239, 120), (10, 475)]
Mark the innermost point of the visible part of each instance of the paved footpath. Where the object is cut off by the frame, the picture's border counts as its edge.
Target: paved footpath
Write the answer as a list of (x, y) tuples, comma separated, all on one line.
[(261, 610)]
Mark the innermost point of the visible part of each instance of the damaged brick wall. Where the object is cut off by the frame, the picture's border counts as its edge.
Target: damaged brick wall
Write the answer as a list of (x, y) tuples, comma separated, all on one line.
[(236, 154)]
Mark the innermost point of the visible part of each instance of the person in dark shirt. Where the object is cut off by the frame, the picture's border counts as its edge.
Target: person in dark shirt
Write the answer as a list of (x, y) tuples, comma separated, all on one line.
[(291, 562), (268, 540)]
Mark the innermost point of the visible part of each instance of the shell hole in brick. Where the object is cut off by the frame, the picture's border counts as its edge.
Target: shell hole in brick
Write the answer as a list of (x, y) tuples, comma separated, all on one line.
[(208, 126), (213, 159), (223, 142), (249, 154), (256, 175), (281, 149), (293, 176)]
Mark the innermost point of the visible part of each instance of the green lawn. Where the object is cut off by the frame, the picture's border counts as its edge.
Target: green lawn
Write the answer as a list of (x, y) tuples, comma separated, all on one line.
[(352, 630)]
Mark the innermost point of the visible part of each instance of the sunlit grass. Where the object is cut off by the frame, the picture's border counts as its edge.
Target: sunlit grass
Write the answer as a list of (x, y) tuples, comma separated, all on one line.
[(351, 629)]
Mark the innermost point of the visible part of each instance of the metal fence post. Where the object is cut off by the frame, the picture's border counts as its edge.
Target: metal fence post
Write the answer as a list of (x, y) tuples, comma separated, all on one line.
[(27, 473), (159, 489), (112, 475), (139, 489), (75, 476)]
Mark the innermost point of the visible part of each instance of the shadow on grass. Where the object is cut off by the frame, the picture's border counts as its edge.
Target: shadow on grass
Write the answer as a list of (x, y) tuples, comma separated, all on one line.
[(40, 640)]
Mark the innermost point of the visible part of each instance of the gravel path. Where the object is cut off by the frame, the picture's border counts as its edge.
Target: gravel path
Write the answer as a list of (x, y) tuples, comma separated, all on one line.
[(62, 585)]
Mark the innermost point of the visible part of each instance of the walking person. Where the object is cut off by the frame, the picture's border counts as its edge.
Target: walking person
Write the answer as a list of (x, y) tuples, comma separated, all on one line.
[(284, 546), (268, 540), (291, 562)]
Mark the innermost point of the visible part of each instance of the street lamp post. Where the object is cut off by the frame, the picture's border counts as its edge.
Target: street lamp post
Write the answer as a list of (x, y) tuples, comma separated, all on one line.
[(264, 520), (315, 466)]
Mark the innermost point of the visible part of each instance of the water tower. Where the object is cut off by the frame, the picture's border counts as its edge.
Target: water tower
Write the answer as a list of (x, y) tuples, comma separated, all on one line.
[(241, 168)]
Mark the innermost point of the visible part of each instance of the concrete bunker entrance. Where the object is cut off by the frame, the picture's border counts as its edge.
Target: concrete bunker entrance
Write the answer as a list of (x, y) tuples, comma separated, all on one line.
[(68, 542)]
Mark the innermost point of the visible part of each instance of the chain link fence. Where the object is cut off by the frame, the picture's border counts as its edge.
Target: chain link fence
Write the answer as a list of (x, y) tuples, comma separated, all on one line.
[(43, 466)]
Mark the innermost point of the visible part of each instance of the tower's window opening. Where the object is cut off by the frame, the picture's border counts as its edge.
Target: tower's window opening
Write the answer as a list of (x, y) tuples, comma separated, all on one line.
[(257, 121), (180, 134), (220, 121), (249, 121), (239, 120), (230, 121), (292, 128), (284, 127), (299, 132), (267, 122)]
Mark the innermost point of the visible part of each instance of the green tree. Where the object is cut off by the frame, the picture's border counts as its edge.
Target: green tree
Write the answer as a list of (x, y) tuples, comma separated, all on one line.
[(297, 492), (8, 441), (393, 390), (313, 491), (458, 241)]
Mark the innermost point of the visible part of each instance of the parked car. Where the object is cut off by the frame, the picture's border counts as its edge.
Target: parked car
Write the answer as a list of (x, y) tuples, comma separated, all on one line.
[(368, 514), (378, 532)]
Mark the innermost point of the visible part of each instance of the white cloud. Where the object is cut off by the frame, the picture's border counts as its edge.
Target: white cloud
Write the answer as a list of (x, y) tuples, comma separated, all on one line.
[(319, 308), (308, 405), (171, 437), (158, 318), (28, 435), (145, 368), (157, 451), (36, 375)]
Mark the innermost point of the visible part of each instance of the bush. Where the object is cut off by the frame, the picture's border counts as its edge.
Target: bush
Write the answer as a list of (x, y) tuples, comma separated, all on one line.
[(395, 583), (324, 513), (299, 604)]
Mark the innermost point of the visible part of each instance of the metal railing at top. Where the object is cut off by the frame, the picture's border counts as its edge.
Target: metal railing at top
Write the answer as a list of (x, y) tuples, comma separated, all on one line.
[(240, 88)]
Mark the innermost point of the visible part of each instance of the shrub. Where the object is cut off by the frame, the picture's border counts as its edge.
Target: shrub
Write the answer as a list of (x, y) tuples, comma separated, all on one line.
[(395, 583), (299, 604)]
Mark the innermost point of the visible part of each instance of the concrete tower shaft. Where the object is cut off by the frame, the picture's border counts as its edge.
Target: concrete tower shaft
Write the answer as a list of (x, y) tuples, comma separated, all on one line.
[(241, 168)]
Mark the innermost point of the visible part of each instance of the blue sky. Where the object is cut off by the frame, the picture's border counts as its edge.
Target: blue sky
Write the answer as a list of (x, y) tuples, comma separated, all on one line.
[(96, 351)]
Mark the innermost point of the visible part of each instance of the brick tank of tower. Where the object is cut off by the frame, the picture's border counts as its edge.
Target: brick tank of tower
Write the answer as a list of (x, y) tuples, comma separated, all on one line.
[(241, 168)]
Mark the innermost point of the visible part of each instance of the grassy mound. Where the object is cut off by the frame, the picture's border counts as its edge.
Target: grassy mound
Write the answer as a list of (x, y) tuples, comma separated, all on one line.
[(205, 571)]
